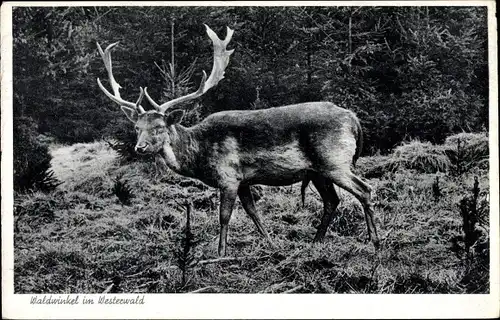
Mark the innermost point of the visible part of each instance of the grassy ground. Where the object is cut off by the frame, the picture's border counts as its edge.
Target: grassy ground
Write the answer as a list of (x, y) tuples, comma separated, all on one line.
[(81, 239)]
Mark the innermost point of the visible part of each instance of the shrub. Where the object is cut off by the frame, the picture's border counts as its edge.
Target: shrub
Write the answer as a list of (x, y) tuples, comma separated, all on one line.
[(467, 151), (475, 240), (31, 159), (73, 131), (184, 253)]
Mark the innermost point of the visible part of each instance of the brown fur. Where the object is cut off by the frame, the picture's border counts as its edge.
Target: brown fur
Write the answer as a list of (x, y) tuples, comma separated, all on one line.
[(233, 150)]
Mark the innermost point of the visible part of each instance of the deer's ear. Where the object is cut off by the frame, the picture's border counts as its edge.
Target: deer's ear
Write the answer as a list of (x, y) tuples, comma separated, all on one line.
[(174, 117), (131, 114)]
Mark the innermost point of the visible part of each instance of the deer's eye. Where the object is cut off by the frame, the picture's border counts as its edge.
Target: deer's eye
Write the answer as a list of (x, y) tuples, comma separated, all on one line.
[(158, 130)]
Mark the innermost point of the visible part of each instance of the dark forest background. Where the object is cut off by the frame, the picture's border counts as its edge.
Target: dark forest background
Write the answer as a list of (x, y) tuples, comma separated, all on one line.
[(408, 72), (417, 77)]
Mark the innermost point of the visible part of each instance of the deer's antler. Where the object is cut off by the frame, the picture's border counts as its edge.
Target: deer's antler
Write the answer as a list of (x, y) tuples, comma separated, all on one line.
[(106, 57), (221, 60)]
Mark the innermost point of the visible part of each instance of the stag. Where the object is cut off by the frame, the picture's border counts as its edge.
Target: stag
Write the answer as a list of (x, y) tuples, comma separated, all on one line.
[(233, 150)]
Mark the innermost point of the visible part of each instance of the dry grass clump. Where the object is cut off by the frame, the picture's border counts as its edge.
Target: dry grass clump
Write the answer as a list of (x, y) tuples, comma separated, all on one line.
[(460, 153), (469, 138), (372, 167), (423, 157)]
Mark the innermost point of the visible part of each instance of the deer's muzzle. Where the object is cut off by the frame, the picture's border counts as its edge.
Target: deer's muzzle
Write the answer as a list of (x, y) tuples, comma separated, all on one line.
[(143, 148)]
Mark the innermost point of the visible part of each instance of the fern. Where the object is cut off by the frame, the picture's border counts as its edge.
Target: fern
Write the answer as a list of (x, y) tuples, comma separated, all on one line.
[(184, 253), (123, 191), (31, 159)]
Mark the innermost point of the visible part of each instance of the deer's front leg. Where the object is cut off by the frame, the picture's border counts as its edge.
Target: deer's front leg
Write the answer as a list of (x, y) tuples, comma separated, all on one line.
[(227, 199)]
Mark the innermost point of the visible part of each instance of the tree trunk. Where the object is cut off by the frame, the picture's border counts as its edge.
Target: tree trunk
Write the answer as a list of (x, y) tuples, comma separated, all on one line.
[(172, 57)]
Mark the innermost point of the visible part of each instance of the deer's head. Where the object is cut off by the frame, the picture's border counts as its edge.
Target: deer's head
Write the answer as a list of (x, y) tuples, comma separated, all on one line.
[(156, 128)]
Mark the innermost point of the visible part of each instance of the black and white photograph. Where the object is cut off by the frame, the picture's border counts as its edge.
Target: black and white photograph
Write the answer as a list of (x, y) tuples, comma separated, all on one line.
[(262, 150)]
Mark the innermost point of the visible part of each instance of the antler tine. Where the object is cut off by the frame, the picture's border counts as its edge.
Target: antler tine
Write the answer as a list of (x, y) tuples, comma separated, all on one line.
[(221, 60), (221, 57), (153, 103), (106, 57), (201, 90), (139, 100)]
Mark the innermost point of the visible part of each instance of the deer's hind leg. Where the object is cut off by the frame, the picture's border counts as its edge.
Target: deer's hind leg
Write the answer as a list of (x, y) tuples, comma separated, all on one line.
[(362, 191), (330, 202), (248, 204)]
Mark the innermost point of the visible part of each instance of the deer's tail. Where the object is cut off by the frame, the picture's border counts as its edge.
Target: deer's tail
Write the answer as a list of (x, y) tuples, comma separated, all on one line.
[(359, 142)]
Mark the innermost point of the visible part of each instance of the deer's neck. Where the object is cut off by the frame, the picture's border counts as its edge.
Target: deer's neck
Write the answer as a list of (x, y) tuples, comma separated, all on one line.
[(182, 153)]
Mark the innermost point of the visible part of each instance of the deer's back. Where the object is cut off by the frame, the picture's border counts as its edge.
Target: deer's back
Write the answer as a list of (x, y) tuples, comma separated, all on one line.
[(277, 145), (254, 129)]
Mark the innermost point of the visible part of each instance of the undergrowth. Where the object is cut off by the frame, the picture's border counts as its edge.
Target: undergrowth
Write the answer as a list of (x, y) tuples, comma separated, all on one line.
[(81, 238)]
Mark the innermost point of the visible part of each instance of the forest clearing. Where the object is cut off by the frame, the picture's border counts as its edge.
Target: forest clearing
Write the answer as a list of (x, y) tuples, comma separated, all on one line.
[(247, 100), (121, 227)]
